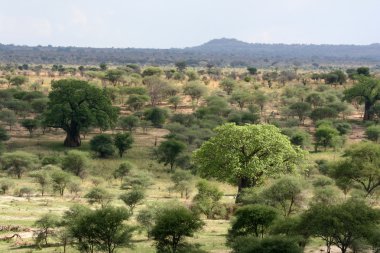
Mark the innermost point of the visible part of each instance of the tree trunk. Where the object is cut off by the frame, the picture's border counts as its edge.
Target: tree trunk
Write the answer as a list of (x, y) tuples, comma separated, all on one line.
[(72, 139), (368, 115), (243, 184)]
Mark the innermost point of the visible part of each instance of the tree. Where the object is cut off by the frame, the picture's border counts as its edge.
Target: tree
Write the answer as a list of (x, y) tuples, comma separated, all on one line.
[(103, 145), (98, 195), (340, 225), (18, 162), (326, 195), (246, 154), (252, 70), (363, 71), (366, 91), (182, 180), (76, 162), (315, 99), (175, 101), (171, 227), (45, 226), (30, 125), (147, 216), (301, 110), (60, 179), (152, 71), (181, 65), (101, 229), (4, 136), (103, 66), (43, 179), (207, 199), (129, 122), (9, 117), (228, 85), (39, 105), (324, 136), (157, 89), (260, 99), (195, 90), (252, 220), (76, 104), (168, 152), (122, 171), (298, 137), (136, 101), (156, 115), (17, 80), (323, 113), (114, 76), (241, 98), (285, 194), (123, 142), (133, 198), (336, 77), (361, 165)]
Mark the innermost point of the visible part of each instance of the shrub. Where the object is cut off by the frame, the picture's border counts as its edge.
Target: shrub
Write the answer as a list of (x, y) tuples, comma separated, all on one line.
[(103, 145)]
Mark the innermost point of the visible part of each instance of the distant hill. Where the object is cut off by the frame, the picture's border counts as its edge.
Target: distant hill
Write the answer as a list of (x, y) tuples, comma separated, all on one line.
[(222, 52)]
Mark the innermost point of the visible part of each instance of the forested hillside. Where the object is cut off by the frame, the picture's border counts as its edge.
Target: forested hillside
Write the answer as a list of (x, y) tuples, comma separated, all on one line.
[(220, 52)]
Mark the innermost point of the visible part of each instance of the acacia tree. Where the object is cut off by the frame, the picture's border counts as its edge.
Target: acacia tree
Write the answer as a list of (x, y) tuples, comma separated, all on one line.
[(123, 142), (362, 165), (366, 91), (18, 162), (252, 220), (171, 227), (75, 105), (340, 225), (246, 154), (102, 229), (168, 152)]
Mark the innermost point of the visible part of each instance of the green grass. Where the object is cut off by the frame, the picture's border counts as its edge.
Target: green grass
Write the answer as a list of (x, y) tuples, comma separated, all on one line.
[(23, 212)]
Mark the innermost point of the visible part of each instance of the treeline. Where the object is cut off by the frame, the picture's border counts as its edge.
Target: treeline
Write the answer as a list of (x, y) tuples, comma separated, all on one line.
[(223, 52)]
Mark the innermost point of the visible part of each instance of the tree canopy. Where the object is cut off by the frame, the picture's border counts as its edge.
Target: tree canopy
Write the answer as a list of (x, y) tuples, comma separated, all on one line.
[(246, 154), (74, 105), (366, 91)]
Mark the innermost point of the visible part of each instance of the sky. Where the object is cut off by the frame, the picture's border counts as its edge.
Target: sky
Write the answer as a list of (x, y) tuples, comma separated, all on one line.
[(185, 23)]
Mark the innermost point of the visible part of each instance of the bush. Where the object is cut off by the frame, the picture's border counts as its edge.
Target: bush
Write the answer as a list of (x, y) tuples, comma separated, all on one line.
[(322, 181), (156, 115), (76, 162), (266, 245), (103, 145), (98, 195), (373, 133)]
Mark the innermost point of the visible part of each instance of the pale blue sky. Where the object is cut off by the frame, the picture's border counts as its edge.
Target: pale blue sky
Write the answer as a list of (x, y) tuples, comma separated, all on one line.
[(181, 23)]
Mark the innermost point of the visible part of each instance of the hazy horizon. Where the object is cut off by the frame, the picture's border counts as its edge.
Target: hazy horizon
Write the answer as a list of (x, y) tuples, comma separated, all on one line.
[(179, 24)]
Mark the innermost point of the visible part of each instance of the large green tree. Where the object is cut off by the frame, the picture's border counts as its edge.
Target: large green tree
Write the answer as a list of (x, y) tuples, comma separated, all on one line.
[(74, 105), (366, 91), (246, 154)]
